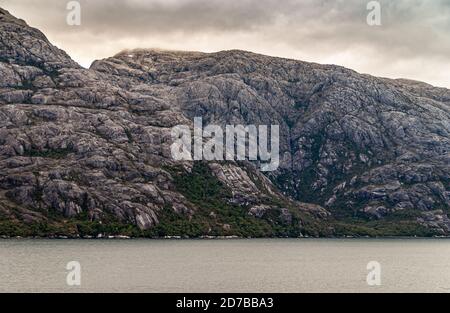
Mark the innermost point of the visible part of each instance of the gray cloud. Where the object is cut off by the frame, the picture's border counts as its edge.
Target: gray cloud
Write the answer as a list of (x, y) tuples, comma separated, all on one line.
[(413, 42)]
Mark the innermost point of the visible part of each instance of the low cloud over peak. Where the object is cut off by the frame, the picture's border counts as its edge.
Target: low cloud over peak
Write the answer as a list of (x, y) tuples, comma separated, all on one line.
[(412, 42)]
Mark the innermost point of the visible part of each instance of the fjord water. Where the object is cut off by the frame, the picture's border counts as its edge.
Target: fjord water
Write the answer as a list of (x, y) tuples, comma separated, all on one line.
[(277, 265)]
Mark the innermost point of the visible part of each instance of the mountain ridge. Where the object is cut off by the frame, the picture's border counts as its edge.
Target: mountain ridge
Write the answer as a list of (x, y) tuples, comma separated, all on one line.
[(87, 151)]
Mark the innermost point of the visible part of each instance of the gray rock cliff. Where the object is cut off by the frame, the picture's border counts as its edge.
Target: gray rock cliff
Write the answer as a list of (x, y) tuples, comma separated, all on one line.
[(359, 154)]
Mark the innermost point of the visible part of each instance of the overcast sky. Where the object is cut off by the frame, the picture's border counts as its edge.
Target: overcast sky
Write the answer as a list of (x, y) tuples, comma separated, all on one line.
[(412, 42)]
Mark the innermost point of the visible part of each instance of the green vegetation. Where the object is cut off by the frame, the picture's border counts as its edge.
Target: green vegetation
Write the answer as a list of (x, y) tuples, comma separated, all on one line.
[(396, 224), (196, 228), (70, 228), (129, 135), (26, 85), (50, 154), (214, 210), (382, 229), (214, 214)]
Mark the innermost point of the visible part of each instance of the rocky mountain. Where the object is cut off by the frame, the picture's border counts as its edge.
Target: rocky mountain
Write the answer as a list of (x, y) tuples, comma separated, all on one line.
[(87, 151)]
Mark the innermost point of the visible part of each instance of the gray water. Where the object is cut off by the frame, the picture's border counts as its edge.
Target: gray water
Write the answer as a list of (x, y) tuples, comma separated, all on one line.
[(283, 265)]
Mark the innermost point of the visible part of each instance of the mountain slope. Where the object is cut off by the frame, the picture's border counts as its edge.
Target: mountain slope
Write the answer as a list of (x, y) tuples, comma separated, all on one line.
[(81, 154), (88, 151), (365, 148)]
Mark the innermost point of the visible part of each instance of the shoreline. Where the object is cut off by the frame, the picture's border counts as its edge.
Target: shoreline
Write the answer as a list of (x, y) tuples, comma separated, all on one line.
[(218, 238)]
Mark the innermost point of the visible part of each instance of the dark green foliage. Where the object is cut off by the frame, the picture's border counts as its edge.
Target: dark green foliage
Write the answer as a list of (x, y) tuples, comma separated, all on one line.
[(26, 85), (93, 229), (399, 223), (382, 228), (70, 228), (173, 224), (214, 214), (50, 154), (201, 187), (129, 135), (214, 208)]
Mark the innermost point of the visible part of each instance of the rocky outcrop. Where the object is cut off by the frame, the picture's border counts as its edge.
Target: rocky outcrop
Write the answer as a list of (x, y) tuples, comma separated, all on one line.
[(356, 144), (81, 145), (93, 145)]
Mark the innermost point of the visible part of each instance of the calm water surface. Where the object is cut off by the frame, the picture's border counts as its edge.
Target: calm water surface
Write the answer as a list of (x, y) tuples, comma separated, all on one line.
[(284, 265)]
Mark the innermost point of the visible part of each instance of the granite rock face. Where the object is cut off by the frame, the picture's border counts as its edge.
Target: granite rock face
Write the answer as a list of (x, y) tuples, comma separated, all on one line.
[(358, 145), (94, 144)]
